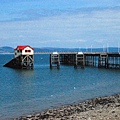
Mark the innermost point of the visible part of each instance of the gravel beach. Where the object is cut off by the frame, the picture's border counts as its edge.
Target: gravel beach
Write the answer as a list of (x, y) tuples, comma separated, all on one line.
[(100, 108)]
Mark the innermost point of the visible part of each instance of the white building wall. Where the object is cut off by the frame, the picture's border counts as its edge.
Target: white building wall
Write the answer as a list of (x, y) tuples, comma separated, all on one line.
[(26, 51), (16, 53)]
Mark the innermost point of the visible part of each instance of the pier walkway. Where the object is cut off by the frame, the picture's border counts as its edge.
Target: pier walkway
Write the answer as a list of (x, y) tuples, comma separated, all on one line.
[(82, 59)]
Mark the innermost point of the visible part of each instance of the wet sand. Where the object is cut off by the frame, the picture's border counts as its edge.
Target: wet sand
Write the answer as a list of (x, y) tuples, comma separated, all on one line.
[(100, 108)]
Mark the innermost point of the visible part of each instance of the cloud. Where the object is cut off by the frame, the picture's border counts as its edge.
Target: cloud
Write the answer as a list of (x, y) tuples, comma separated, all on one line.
[(74, 41), (99, 41), (47, 41), (12, 10), (66, 30)]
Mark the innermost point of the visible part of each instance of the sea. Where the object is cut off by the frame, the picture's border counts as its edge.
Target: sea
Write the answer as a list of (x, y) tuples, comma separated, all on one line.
[(24, 92)]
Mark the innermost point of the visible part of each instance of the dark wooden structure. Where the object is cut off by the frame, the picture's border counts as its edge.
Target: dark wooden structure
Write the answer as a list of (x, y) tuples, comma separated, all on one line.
[(54, 60), (21, 62), (79, 59)]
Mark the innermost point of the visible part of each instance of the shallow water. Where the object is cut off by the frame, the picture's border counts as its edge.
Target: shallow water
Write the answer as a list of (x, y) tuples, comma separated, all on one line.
[(27, 91)]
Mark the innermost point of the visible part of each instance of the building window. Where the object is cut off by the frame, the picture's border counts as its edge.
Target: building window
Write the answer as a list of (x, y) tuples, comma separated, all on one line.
[(27, 50)]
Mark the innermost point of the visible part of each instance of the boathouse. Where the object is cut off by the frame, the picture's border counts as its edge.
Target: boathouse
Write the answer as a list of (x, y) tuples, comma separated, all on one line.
[(23, 58), (23, 50)]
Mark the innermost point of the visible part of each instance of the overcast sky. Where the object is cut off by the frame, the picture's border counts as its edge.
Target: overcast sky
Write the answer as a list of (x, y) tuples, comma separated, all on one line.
[(60, 23)]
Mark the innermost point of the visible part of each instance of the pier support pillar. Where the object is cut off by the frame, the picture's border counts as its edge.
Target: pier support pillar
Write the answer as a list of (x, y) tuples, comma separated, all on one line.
[(114, 61), (79, 60), (103, 60), (27, 61), (54, 60)]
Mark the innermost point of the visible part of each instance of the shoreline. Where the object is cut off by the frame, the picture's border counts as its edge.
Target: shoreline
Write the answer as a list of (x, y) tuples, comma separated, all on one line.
[(99, 108)]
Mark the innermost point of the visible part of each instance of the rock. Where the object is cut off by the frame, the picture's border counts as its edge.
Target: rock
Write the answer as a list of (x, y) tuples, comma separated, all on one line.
[(93, 108)]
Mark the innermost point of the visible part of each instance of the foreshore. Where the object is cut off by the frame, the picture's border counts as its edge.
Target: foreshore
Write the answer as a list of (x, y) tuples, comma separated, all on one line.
[(100, 108)]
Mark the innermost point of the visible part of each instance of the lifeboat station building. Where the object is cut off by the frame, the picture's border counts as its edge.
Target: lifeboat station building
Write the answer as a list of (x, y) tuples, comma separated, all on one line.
[(23, 50), (23, 58), (25, 55)]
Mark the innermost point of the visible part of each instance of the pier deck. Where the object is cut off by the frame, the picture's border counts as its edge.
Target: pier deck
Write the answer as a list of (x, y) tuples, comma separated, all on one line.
[(79, 59)]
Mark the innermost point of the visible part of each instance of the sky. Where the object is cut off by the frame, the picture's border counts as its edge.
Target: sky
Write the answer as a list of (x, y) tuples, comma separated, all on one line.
[(60, 23)]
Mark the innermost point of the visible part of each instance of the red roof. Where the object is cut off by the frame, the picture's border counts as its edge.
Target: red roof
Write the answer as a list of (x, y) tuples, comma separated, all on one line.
[(23, 47)]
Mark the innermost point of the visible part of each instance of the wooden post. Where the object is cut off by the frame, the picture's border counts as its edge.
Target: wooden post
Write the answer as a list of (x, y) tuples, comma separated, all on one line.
[(79, 60), (27, 61), (103, 60), (54, 60), (75, 64), (50, 61)]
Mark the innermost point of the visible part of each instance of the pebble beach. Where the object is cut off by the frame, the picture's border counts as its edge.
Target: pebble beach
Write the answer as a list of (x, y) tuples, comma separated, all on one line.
[(99, 108)]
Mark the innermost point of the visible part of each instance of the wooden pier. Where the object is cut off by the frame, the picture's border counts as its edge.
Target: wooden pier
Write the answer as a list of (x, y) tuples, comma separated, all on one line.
[(25, 59), (80, 60)]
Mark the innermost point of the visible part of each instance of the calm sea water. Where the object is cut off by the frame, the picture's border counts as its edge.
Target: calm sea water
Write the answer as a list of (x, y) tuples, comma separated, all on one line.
[(27, 91)]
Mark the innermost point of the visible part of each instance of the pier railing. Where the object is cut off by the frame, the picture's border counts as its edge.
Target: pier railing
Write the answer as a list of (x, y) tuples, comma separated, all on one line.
[(82, 59), (64, 52)]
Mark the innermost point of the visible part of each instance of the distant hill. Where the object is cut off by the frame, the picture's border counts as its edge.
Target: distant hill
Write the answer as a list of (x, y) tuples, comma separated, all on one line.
[(50, 49), (7, 49)]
